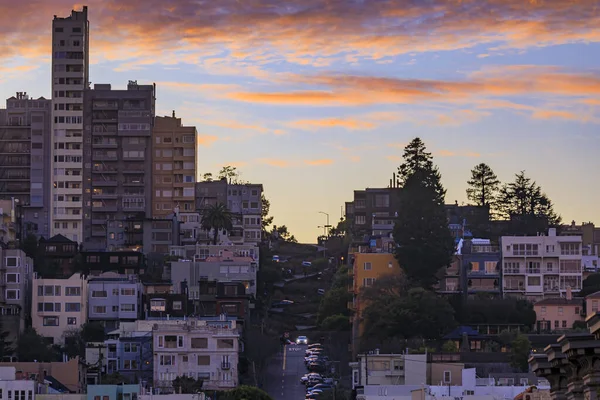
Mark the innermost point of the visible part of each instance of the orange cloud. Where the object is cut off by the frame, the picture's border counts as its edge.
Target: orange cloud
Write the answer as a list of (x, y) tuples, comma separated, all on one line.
[(394, 158), (206, 140), (397, 145), (273, 162), (347, 123), (446, 153), (449, 153), (324, 161)]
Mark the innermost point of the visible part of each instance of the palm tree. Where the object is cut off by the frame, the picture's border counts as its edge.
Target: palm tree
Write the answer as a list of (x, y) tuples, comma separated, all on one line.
[(216, 217)]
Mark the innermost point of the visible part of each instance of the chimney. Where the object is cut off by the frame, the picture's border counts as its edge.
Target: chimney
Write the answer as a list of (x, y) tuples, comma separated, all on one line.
[(395, 181), (551, 231), (569, 293), (173, 113)]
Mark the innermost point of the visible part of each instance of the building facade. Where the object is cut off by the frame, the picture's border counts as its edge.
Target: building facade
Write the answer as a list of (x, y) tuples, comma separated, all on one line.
[(114, 298), (16, 276), (59, 305), (373, 210), (70, 78), (59, 252), (480, 262), (118, 161), (129, 353), (537, 267), (559, 314), (197, 349), (174, 160), (25, 151)]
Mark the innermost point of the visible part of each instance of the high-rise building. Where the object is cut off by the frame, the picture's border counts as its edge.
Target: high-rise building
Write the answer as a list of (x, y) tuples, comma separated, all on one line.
[(118, 163), (174, 161), (25, 180), (70, 77)]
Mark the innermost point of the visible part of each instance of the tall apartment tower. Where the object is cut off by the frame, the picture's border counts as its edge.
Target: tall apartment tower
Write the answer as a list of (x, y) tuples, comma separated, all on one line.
[(25, 178), (118, 163), (70, 78), (174, 161)]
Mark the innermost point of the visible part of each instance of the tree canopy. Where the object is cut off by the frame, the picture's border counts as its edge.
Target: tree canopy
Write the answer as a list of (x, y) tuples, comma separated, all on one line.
[(524, 199), (216, 218), (424, 242), (483, 186), (32, 347), (394, 309), (244, 392), (187, 385), (6, 346)]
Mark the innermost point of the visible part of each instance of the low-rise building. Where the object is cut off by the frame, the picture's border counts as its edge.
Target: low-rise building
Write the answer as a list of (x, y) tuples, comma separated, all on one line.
[(70, 374), (121, 262), (162, 305), (59, 305), (16, 271), (60, 252), (538, 267), (591, 304), (559, 314), (114, 298), (129, 353), (113, 392), (17, 387), (198, 349), (480, 262)]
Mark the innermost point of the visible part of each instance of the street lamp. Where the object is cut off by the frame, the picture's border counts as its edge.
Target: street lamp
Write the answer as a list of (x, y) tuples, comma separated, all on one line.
[(326, 227)]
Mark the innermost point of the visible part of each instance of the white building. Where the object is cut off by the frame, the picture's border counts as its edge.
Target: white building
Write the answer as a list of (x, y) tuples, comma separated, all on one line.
[(70, 77), (59, 305), (206, 350), (537, 267), (17, 389)]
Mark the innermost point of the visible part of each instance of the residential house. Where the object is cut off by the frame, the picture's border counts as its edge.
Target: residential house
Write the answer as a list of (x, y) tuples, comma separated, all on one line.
[(537, 267), (372, 211), (389, 369), (559, 314), (244, 203), (159, 287), (591, 304), (122, 262), (113, 392), (17, 387), (215, 263), (480, 266), (114, 298), (160, 305), (129, 353), (71, 374), (16, 271), (60, 253), (197, 349), (369, 263), (59, 305)]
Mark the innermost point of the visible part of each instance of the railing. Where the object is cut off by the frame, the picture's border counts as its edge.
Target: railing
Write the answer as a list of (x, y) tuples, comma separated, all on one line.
[(225, 365)]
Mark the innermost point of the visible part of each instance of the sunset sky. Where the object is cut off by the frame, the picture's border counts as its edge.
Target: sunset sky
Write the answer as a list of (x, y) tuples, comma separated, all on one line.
[(316, 98)]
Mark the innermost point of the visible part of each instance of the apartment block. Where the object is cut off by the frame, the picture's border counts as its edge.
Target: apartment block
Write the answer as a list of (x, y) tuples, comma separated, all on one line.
[(537, 267), (236, 263), (25, 151), (70, 78), (114, 298), (476, 266), (559, 314), (118, 162), (60, 252), (175, 160), (197, 349), (242, 200), (129, 352), (16, 275), (95, 263), (372, 211), (59, 305)]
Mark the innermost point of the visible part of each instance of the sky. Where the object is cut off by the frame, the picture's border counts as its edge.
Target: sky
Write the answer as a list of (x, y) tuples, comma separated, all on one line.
[(317, 98)]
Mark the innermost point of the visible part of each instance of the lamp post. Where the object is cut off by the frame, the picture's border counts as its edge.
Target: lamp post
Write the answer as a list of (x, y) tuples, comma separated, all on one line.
[(326, 227)]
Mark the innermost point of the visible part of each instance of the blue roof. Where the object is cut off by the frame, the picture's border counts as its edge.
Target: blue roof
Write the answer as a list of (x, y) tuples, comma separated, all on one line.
[(459, 332)]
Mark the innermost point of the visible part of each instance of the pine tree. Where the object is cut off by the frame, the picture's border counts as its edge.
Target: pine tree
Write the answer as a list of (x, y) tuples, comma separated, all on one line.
[(421, 232), (483, 186)]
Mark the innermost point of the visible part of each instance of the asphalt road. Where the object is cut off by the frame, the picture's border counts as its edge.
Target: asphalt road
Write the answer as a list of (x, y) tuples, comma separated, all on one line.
[(284, 372)]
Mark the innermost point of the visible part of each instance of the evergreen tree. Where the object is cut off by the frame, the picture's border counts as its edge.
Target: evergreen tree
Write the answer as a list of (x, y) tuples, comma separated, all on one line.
[(6, 348), (424, 242), (483, 186), (525, 201)]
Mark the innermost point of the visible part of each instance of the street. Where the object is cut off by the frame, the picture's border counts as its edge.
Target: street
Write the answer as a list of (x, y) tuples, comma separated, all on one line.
[(284, 372)]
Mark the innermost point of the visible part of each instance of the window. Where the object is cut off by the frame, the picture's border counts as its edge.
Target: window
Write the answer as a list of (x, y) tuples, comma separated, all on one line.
[(576, 310), (360, 219), (556, 324), (130, 348), (72, 307), (560, 311), (368, 282), (447, 376), (595, 305), (367, 266), (130, 364), (199, 343), (571, 249), (564, 324), (225, 343), (50, 321), (71, 321), (533, 281), (177, 305), (128, 307), (158, 305), (167, 359), (543, 310), (12, 278), (13, 294), (128, 292), (99, 293), (203, 360), (99, 309), (12, 262)]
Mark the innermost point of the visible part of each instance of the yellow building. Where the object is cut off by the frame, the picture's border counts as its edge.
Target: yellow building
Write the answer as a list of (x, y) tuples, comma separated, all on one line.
[(367, 267)]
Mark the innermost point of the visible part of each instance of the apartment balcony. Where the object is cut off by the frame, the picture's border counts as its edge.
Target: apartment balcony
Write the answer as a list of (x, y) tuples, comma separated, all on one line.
[(110, 182), (551, 289), (225, 366), (105, 145), (132, 207), (105, 196), (105, 208), (382, 227), (104, 169), (134, 169), (112, 354), (483, 274), (485, 249), (105, 105), (68, 217), (519, 288), (97, 221), (134, 183), (514, 271), (104, 157)]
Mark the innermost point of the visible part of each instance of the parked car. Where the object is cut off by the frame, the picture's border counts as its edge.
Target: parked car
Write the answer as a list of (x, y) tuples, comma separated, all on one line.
[(320, 292), (316, 367), (276, 258), (311, 376), (306, 263)]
